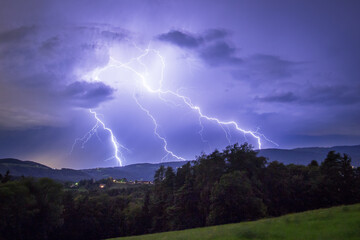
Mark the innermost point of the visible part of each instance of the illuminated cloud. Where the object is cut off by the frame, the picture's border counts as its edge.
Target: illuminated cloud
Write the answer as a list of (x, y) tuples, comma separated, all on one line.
[(268, 65), (88, 95), (211, 46), (181, 39)]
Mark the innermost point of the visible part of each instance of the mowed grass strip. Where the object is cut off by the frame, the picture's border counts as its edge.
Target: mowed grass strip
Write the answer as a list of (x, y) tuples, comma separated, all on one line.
[(341, 223)]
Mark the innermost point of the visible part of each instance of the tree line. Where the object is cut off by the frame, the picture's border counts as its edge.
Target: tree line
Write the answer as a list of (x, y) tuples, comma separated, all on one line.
[(222, 187)]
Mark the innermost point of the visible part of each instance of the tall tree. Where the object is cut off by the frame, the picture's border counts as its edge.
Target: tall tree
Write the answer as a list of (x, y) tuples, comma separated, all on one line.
[(337, 181), (233, 200)]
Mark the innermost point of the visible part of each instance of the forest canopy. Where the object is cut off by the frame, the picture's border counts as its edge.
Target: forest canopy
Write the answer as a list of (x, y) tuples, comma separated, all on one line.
[(226, 186)]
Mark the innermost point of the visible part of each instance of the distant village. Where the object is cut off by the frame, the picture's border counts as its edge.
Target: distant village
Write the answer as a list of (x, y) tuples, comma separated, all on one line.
[(108, 182)]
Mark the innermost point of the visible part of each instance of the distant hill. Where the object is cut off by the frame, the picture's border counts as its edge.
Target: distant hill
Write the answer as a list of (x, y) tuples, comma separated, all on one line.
[(33, 169), (305, 155), (141, 171), (145, 171)]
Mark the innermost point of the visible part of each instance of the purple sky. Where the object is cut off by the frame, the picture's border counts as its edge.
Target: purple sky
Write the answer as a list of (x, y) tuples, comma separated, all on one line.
[(287, 68)]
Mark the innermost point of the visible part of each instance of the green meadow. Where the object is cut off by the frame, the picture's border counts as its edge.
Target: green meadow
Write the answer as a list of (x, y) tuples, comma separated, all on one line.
[(339, 223)]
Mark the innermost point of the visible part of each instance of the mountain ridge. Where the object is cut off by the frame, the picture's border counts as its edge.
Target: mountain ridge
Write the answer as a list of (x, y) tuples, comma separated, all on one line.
[(306, 155), (145, 171)]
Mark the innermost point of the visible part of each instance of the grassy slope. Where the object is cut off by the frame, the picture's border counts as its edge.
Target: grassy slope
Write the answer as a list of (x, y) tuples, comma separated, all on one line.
[(334, 223)]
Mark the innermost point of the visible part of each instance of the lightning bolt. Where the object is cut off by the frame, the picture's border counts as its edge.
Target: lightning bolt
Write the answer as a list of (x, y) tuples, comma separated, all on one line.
[(86, 137), (165, 146), (162, 94), (115, 143), (185, 100)]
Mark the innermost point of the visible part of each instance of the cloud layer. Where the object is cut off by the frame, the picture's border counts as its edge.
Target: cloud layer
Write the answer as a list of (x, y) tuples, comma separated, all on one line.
[(42, 68), (211, 46), (289, 69)]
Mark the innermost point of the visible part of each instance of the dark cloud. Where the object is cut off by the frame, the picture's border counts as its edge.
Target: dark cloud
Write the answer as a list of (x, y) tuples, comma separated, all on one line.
[(219, 53), (210, 46), (214, 34), (115, 36), (303, 55), (271, 66), (16, 34), (88, 95), (40, 72), (181, 39), (281, 97), (189, 40), (340, 95), (332, 95), (50, 44), (267, 69)]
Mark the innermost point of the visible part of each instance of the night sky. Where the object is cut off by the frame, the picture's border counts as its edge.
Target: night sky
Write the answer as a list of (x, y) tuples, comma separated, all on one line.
[(289, 70)]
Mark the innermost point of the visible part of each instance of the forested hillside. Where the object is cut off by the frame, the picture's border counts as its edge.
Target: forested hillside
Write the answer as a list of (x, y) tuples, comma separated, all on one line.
[(231, 186)]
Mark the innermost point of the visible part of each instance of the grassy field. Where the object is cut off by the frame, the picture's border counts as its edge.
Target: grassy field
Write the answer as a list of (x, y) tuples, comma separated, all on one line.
[(333, 223)]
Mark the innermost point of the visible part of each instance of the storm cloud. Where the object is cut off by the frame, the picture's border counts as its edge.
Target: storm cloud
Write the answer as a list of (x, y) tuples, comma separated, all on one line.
[(38, 64), (181, 39), (280, 97), (289, 69), (88, 95), (211, 46)]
